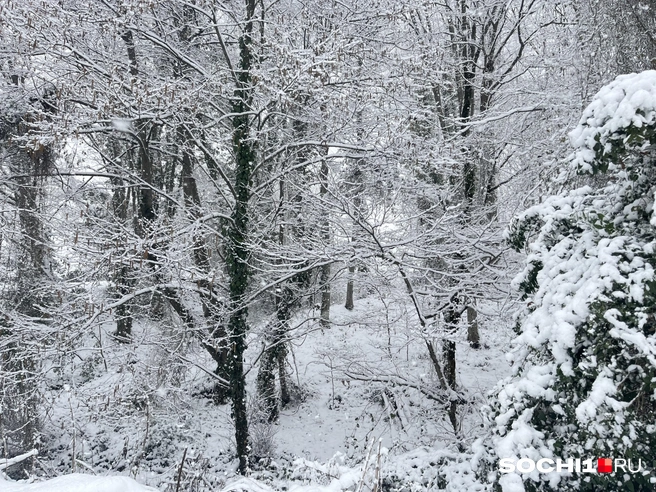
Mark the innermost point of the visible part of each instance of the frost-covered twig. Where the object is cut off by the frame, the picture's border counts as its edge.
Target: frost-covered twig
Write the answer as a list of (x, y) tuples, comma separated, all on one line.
[(377, 473), (366, 465)]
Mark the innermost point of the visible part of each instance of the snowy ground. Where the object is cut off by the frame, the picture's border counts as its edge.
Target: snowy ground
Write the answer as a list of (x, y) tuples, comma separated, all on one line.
[(77, 483), (346, 421), (123, 412)]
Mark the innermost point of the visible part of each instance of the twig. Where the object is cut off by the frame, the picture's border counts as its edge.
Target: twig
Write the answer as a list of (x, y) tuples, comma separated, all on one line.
[(70, 404), (177, 485), (102, 354), (377, 474), (366, 465)]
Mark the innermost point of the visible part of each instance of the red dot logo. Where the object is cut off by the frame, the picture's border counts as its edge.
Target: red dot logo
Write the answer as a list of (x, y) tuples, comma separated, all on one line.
[(604, 465)]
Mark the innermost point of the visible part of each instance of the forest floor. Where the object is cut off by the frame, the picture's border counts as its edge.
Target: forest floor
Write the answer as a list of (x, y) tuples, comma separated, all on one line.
[(359, 389)]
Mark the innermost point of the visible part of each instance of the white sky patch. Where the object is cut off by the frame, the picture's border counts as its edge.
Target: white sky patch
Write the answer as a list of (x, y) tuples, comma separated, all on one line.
[(122, 125)]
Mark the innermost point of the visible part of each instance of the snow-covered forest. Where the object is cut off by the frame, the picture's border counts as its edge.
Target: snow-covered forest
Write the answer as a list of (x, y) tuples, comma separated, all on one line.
[(324, 245)]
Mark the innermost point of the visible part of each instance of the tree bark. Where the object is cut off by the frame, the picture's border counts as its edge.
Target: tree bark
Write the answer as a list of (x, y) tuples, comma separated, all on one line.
[(451, 317), (324, 275), (274, 357), (324, 279), (349, 289), (238, 253), (27, 299), (266, 385), (123, 312), (218, 346), (357, 203), (473, 336)]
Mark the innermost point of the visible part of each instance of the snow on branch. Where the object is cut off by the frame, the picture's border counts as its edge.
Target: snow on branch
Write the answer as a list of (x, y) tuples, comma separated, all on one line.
[(621, 115), (17, 459)]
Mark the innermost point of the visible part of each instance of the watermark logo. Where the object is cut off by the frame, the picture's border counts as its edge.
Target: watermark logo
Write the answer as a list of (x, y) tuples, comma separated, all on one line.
[(571, 465), (605, 465)]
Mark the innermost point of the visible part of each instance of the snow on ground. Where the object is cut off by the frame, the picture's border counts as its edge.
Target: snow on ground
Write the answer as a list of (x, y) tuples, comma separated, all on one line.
[(77, 482), (136, 415), (343, 415)]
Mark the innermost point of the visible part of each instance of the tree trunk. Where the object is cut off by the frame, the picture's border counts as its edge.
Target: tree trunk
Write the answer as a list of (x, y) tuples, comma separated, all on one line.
[(237, 254), (324, 276), (19, 425), (123, 312), (122, 277), (275, 357), (285, 396), (357, 187), (472, 328), (266, 385), (451, 317), (324, 279), (218, 345), (349, 289)]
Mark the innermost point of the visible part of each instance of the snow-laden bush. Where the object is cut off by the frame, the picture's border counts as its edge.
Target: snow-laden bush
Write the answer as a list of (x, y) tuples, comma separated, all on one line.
[(585, 358)]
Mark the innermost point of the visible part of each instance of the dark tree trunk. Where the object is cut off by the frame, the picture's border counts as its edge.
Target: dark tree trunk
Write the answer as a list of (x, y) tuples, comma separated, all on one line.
[(28, 299), (123, 312), (19, 424), (275, 357), (266, 385), (324, 274), (324, 280), (451, 317), (473, 336), (217, 340), (357, 188), (219, 349), (279, 340), (285, 396), (349, 289), (218, 345), (238, 253), (122, 277), (357, 185)]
